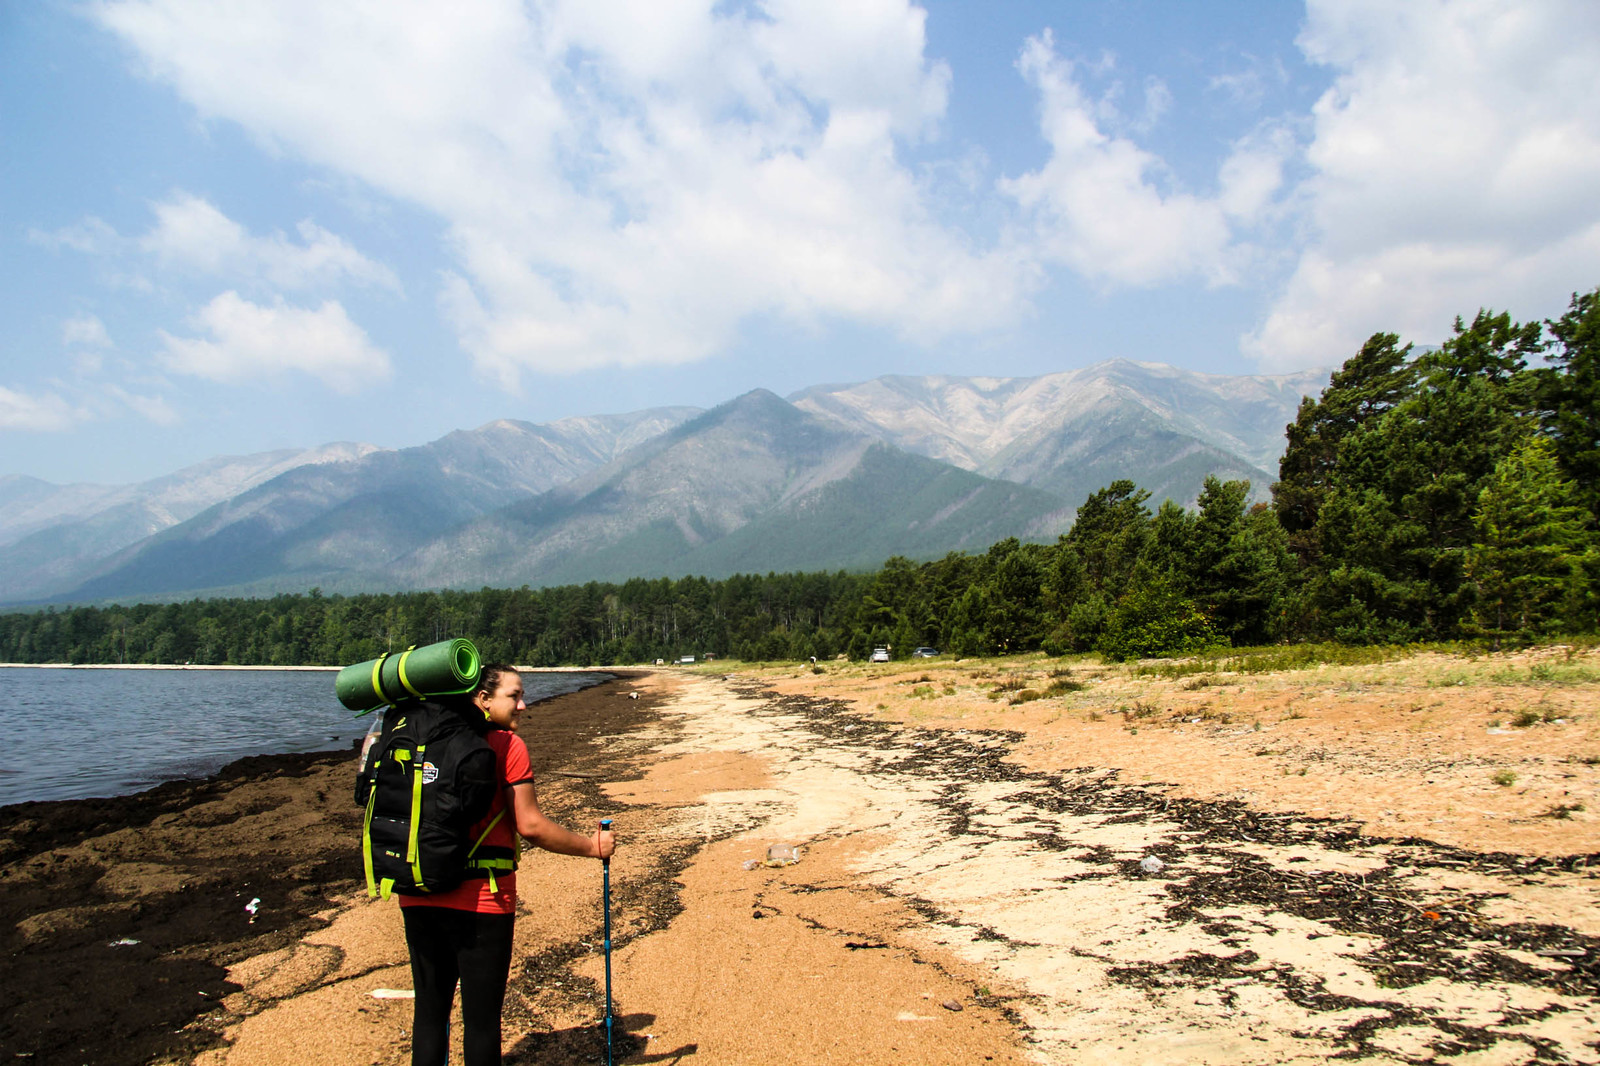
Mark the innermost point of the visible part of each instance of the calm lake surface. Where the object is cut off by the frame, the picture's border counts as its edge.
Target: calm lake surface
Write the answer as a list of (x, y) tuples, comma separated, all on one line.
[(77, 733)]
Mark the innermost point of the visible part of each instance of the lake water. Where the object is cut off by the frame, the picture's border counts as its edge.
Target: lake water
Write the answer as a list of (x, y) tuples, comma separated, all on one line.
[(70, 734)]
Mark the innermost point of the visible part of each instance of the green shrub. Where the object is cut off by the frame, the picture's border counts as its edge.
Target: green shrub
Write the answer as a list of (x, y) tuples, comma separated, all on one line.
[(1156, 620)]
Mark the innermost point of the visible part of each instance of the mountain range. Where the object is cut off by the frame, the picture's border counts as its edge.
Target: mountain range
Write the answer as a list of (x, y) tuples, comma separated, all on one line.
[(834, 476)]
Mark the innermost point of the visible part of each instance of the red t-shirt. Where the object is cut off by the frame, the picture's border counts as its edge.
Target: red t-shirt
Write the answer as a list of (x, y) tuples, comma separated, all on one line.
[(511, 760)]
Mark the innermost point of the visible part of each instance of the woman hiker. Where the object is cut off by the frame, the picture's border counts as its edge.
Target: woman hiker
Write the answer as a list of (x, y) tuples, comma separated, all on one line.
[(465, 933)]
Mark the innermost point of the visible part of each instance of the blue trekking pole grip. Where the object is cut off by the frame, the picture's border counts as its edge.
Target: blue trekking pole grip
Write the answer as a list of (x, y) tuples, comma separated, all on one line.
[(605, 867)]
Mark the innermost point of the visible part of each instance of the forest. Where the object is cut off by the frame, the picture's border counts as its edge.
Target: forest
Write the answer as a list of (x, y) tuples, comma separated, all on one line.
[(1447, 494)]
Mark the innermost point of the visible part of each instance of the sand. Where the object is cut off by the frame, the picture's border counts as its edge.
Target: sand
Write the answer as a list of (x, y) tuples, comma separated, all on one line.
[(1338, 873)]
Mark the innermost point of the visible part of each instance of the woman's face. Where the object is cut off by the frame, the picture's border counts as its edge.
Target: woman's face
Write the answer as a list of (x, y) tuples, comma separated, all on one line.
[(503, 705)]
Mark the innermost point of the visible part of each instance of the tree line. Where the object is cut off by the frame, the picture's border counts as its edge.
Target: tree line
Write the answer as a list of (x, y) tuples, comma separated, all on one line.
[(1447, 494)]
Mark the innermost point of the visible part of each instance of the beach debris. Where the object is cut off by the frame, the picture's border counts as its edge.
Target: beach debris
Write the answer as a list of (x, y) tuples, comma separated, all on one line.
[(393, 993), (951, 1004), (782, 855), (862, 945), (251, 908), (751, 864), (1151, 865), (125, 942), (633, 695)]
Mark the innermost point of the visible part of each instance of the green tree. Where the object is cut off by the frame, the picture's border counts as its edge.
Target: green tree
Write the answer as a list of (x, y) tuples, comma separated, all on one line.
[(1110, 534), (1156, 619), (1532, 540), (1370, 383), (1016, 614), (1392, 530), (1570, 397)]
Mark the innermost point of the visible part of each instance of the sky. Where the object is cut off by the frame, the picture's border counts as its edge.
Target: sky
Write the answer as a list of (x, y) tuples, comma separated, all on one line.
[(227, 229)]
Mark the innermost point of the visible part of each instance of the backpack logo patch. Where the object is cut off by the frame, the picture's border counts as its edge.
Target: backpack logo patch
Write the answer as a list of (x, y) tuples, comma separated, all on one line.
[(430, 773)]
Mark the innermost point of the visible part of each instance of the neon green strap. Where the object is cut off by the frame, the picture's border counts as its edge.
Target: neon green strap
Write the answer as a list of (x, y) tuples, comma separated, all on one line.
[(403, 680), (413, 854), (366, 843), (377, 682), (489, 866), (476, 844)]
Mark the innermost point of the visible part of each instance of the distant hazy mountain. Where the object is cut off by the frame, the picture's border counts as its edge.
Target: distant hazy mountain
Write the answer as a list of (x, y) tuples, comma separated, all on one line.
[(1073, 432), (53, 535), (842, 476), (323, 524), (755, 484)]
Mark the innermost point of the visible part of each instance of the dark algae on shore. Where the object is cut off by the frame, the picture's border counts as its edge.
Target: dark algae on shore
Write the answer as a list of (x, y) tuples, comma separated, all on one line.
[(1214, 877), (121, 916)]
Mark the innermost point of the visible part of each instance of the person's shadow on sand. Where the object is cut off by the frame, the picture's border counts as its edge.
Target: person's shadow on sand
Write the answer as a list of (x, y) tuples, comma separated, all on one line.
[(586, 1044)]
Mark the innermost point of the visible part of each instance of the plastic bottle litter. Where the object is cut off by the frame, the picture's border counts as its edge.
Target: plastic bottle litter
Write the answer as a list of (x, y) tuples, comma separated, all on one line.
[(250, 908), (1151, 865), (782, 855), (751, 864)]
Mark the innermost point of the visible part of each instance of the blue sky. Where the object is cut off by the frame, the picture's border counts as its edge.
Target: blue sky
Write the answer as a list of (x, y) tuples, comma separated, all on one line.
[(275, 223)]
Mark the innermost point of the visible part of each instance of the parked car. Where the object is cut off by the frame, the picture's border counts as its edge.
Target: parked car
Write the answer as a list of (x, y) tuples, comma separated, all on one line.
[(925, 653), (879, 655), (686, 659)]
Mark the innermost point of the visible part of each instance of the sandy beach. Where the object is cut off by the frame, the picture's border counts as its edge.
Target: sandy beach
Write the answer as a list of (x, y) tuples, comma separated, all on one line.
[(1391, 862)]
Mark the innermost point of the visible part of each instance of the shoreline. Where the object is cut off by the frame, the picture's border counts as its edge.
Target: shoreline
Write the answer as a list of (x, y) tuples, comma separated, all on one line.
[(159, 666), (954, 850), (290, 669), (121, 917), (333, 745)]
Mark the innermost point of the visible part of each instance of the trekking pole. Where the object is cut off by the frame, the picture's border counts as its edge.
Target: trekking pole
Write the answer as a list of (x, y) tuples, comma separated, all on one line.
[(605, 874)]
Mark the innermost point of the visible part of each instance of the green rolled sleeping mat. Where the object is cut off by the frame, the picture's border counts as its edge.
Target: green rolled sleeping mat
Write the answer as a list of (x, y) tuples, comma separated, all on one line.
[(447, 668)]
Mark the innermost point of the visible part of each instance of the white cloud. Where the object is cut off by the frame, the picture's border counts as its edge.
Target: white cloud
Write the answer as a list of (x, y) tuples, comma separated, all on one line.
[(152, 408), (85, 331), (621, 183), (92, 236), (42, 413), (1099, 203), (248, 341), (1455, 161), (192, 234)]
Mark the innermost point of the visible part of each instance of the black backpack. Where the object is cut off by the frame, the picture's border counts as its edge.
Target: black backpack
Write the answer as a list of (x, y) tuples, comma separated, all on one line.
[(426, 779)]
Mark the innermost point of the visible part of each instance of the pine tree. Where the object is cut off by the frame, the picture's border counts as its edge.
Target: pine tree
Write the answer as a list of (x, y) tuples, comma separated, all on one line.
[(1571, 397), (1110, 534), (1370, 383), (1531, 543), (1398, 517)]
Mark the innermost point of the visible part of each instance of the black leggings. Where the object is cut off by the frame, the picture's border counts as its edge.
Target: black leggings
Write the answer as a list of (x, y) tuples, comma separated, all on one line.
[(445, 945)]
